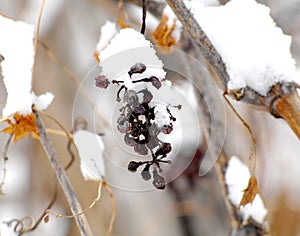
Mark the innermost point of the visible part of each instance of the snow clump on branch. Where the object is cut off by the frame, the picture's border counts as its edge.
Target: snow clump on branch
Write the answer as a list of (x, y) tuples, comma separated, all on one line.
[(17, 51), (255, 51)]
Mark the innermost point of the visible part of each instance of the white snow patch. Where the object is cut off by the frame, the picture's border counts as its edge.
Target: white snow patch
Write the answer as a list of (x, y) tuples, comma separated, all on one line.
[(16, 46), (255, 51), (91, 152), (107, 32), (126, 49), (236, 177), (162, 116), (43, 101)]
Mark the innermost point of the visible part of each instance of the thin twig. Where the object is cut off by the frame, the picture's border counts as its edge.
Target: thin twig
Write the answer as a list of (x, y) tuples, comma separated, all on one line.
[(62, 177), (67, 134), (113, 209), (45, 212), (75, 82), (82, 212), (144, 6), (154, 7), (252, 156), (37, 30)]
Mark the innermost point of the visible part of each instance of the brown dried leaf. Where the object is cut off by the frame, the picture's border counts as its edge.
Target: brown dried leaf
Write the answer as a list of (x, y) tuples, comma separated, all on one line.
[(163, 34), (23, 126), (250, 192), (46, 219)]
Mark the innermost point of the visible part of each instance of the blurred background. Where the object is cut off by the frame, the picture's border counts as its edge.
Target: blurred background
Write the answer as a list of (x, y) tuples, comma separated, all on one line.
[(190, 205)]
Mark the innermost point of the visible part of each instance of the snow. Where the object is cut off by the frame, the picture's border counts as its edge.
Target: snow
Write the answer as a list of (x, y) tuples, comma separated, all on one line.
[(16, 46), (126, 49), (162, 117), (255, 51), (91, 152), (236, 177), (107, 32), (43, 101)]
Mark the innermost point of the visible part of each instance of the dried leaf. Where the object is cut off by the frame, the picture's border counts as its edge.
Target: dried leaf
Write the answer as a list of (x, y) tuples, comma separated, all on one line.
[(22, 126), (163, 34), (250, 192), (122, 24), (96, 56), (46, 219)]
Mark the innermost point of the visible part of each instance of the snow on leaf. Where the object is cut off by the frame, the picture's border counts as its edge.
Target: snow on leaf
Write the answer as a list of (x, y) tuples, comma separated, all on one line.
[(255, 51), (90, 147), (21, 126), (16, 47), (250, 192), (237, 177)]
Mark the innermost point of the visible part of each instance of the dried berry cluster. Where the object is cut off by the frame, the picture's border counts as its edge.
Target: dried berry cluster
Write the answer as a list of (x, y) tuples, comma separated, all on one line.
[(141, 123)]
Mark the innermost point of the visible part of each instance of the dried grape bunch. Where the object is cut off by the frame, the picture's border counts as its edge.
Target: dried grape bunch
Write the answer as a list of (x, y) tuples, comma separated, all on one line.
[(142, 121)]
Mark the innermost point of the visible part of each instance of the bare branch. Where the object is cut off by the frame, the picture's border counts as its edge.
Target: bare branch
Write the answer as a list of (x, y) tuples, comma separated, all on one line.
[(62, 177), (4, 157)]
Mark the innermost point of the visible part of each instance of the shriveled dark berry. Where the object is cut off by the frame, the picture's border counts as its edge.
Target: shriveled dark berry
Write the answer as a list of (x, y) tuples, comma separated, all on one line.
[(140, 109), (138, 68), (101, 81), (163, 150), (141, 149), (153, 130), (131, 97), (166, 129), (123, 124), (153, 143), (147, 95), (155, 82), (129, 140), (158, 181), (146, 173), (1, 58), (133, 166)]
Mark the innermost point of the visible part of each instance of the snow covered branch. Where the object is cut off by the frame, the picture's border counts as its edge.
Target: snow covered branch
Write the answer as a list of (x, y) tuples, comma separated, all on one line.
[(275, 79)]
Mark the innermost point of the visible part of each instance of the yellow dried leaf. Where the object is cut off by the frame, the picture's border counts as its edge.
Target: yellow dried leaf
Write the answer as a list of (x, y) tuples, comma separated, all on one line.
[(122, 24), (250, 192), (21, 127), (96, 56), (163, 34)]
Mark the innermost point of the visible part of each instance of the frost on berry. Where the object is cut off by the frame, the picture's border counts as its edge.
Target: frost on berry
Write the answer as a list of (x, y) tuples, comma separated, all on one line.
[(131, 97), (101, 81), (146, 172), (147, 95), (123, 124), (141, 149), (155, 82), (158, 181)]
